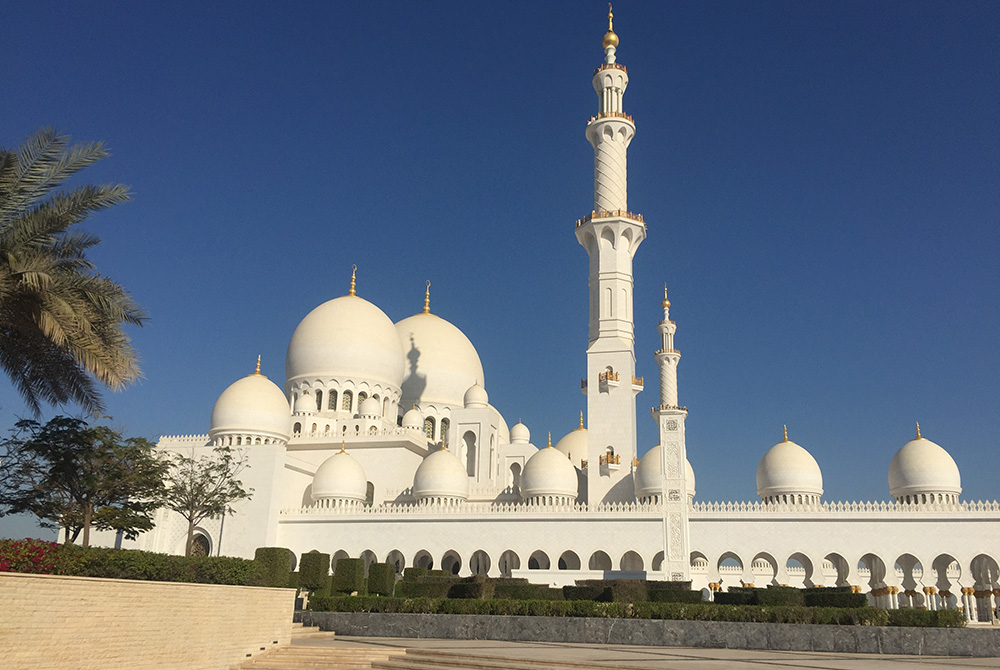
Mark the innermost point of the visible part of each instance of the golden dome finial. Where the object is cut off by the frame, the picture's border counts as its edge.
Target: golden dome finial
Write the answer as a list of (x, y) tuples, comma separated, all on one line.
[(257, 370), (427, 298), (610, 39), (354, 274), (343, 446), (665, 303), (919, 436), (549, 445), (580, 427), (786, 434)]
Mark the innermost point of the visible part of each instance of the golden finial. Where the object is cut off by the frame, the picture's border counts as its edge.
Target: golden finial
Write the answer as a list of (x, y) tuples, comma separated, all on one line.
[(427, 298), (786, 434), (343, 446), (919, 437), (580, 427), (610, 39), (549, 445), (665, 303), (256, 372), (354, 272)]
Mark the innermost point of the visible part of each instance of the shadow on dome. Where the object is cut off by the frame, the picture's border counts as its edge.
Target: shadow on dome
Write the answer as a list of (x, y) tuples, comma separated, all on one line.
[(414, 384)]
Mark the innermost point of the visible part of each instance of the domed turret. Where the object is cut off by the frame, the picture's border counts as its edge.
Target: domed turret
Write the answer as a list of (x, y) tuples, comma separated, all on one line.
[(574, 445), (649, 477), (549, 478), (370, 408), (476, 396), (788, 474), (922, 472), (305, 403), (440, 478), (413, 419), (252, 408), (441, 363), (340, 480), (347, 337), (519, 434)]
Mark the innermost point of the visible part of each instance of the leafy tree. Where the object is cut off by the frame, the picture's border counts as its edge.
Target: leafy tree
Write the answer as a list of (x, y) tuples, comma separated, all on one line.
[(205, 487), (60, 321), (75, 476)]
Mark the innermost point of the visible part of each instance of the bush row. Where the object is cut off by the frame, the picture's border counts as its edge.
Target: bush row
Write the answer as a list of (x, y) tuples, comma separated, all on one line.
[(856, 616)]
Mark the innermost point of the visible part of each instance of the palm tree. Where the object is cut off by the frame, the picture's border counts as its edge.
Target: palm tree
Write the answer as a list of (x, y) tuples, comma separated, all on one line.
[(61, 322)]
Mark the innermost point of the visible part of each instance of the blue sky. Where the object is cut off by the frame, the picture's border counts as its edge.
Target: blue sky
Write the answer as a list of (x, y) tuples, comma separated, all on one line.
[(820, 183)]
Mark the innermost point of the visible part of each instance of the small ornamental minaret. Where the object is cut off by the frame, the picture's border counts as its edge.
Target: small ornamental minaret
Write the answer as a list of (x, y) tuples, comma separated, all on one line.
[(610, 234), (670, 418)]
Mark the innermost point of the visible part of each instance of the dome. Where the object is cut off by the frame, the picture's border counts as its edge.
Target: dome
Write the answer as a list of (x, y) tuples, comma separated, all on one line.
[(788, 469), (413, 419), (440, 361), (574, 445), (305, 403), (649, 475), (520, 434), (370, 407), (549, 473), (921, 467), (440, 476), (340, 477), (253, 404), (476, 396), (346, 337)]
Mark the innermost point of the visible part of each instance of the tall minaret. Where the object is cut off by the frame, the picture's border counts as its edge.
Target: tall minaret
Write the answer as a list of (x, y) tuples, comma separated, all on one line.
[(610, 234), (673, 453)]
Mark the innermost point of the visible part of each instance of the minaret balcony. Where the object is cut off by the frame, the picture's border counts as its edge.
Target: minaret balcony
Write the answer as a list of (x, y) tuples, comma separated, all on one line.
[(607, 381), (667, 408), (611, 115), (611, 66), (613, 214), (637, 383)]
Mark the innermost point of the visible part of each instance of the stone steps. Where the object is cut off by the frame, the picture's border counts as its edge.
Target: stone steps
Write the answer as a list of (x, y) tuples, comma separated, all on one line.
[(300, 631), (428, 659), (319, 658)]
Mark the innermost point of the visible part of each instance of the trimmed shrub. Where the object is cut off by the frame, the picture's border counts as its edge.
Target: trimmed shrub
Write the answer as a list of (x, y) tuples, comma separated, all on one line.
[(314, 571), (926, 618), (586, 592), (478, 590), (36, 557), (274, 565), (349, 576), (833, 598), (774, 596), (412, 573), (440, 573), (674, 596), (422, 589), (381, 579), (665, 586), (950, 619), (526, 592), (293, 580)]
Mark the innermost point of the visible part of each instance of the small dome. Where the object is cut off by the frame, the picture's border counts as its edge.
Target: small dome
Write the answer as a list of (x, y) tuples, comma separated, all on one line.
[(519, 434), (788, 469), (370, 407), (574, 445), (476, 396), (346, 337), (549, 473), (649, 475), (305, 403), (440, 361), (413, 419), (340, 477), (441, 476), (253, 404), (921, 467)]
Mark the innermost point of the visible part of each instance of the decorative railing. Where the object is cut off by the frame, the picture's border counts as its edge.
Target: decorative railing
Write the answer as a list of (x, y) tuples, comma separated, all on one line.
[(611, 115), (187, 439), (611, 66), (877, 506), (355, 434), (679, 407), (637, 381), (608, 214), (607, 376), (611, 459)]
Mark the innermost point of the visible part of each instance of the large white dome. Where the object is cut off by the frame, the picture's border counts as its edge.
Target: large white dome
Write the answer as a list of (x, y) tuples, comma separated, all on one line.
[(549, 474), (922, 468), (574, 445), (441, 363), (253, 405), (341, 478), (346, 337), (788, 470), (440, 477), (649, 475)]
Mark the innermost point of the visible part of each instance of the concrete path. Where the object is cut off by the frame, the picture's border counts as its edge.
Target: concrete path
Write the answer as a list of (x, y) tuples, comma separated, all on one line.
[(661, 658)]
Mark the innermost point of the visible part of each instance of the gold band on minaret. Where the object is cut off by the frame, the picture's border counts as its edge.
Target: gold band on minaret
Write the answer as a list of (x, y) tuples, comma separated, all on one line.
[(354, 273), (427, 298)]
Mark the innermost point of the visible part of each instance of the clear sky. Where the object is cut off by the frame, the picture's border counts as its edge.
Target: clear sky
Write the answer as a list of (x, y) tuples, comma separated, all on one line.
[(821, 184)]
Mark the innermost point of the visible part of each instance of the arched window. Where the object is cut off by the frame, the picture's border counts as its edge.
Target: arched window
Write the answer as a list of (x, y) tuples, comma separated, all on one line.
[(375, 395), (331, 402), (445, 424), (348, 401), (429, 428), (200, 545), (319, 400), (239, 440), (362, 396)]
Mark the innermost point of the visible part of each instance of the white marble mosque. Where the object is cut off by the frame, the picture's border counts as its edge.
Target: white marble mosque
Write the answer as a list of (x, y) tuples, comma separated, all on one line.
[(382, 443)]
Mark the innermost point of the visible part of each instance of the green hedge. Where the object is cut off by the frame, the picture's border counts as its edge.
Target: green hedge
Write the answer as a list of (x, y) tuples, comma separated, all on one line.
[(526, 592), (349, 576), (274, 564), (472, 590), (381, 579), (422, 589), (410, 574), (314, 571), (774, 596), (675, 596), (926, 618), (831, 598)]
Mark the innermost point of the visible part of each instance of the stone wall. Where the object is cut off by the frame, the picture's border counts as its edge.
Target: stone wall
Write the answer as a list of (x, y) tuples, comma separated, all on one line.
[(49, 621), (660, 633)]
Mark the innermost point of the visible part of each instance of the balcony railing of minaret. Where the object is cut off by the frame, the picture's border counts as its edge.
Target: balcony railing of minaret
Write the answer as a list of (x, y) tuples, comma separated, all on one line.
[(637, 381), (583, 384), (668, 351), (611, 66), (677, 407), (611, 459), (611, 115), (607, 376), (611, 214), (670, 321)]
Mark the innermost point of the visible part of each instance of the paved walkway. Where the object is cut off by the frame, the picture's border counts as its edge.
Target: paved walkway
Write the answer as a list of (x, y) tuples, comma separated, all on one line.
[(663, 658)]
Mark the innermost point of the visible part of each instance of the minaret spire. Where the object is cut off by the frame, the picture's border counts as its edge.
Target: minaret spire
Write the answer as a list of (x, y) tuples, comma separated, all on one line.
[(354, 273), (427, 298), (257, 370), (667, 357)]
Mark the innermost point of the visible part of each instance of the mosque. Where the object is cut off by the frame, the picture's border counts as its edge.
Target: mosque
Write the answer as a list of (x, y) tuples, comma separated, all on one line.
[(382, 444)]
